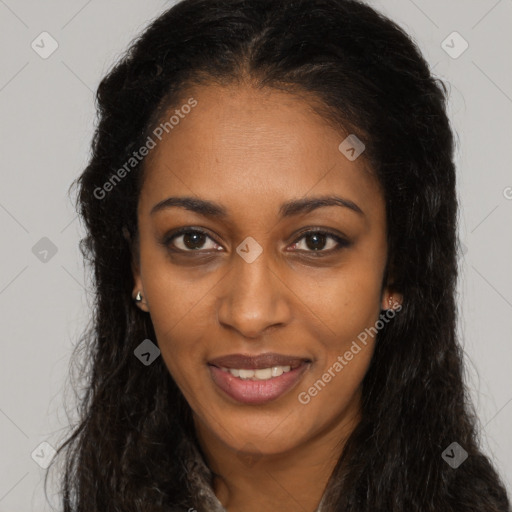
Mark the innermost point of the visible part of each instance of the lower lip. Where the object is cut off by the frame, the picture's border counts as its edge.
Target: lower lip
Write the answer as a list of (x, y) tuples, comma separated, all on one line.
[(256, 391)]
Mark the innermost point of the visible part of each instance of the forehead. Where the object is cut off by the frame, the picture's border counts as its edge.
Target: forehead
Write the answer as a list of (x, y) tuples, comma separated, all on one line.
[(246, 147)]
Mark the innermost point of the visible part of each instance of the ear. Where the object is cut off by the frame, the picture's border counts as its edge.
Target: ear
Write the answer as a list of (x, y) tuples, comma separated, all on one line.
[(390, 298), (135, 266)]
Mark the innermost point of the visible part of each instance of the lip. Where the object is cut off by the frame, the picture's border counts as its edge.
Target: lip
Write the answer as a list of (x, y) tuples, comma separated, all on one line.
[(266, 360), (257, 392)]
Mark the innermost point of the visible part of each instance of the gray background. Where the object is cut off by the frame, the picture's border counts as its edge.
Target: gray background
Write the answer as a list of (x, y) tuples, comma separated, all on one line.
[(47, 117)]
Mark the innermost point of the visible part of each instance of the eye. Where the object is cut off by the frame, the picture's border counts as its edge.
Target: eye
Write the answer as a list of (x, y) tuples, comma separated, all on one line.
[(194, 239), (191, 240), (316, 240)]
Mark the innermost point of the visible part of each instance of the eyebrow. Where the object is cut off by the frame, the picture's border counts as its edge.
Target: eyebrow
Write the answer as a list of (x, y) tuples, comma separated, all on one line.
[(290, 208)]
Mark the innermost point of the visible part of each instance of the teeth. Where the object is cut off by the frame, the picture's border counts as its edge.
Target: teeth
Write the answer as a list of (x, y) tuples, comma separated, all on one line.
[(260, 374)]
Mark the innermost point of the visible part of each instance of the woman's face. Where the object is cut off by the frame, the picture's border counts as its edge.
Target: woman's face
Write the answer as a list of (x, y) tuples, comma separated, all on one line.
[(255, 283)]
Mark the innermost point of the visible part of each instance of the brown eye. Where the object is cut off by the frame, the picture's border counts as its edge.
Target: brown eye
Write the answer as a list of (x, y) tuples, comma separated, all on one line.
[(316, 241), (189, 240), (193, 240)]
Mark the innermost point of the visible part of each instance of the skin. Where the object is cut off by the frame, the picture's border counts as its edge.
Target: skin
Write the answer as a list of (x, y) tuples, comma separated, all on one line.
[(251, 150)]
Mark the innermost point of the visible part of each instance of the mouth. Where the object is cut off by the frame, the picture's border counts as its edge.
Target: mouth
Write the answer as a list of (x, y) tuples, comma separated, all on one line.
[(257, 379), (258, 362)]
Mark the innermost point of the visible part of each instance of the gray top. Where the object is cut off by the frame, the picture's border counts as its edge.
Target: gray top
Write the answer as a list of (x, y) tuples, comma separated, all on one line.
[(200, 480)]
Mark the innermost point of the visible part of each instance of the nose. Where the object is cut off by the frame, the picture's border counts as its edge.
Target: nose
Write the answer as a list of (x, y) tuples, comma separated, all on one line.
[(253, 297)]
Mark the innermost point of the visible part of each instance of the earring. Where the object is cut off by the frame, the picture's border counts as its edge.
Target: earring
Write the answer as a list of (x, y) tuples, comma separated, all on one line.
[(390, 302), (138, 297)]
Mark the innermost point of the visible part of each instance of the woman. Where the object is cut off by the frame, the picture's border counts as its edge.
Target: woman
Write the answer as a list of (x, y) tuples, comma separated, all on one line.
[(271, 210)]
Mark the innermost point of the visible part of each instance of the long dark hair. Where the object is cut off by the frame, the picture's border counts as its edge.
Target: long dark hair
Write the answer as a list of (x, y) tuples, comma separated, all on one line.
[(370, 78)]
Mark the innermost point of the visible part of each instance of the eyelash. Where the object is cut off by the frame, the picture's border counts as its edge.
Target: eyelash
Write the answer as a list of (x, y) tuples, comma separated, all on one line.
[(342, 243)]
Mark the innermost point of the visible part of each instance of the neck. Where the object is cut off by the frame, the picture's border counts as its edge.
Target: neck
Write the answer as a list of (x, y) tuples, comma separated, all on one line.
[(288, 481)]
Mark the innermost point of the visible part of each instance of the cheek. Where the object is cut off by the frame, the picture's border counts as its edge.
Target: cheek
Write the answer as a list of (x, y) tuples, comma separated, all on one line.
[(354, 306), (347, 351), (355, 315), (179, 319), (350, 303), (175, 296), (178, 308)]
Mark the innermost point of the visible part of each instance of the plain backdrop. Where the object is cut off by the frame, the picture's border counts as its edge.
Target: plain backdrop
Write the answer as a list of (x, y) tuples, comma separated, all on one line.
[(47, 118)]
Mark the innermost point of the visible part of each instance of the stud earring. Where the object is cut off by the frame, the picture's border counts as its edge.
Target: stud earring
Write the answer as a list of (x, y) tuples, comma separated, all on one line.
[(138, 297)]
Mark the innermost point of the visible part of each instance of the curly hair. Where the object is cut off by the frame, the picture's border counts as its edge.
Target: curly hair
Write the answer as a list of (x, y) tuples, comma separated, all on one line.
[(370, 77)]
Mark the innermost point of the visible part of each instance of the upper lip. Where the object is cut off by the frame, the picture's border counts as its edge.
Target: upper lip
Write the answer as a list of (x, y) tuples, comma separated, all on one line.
[(260, 361)]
